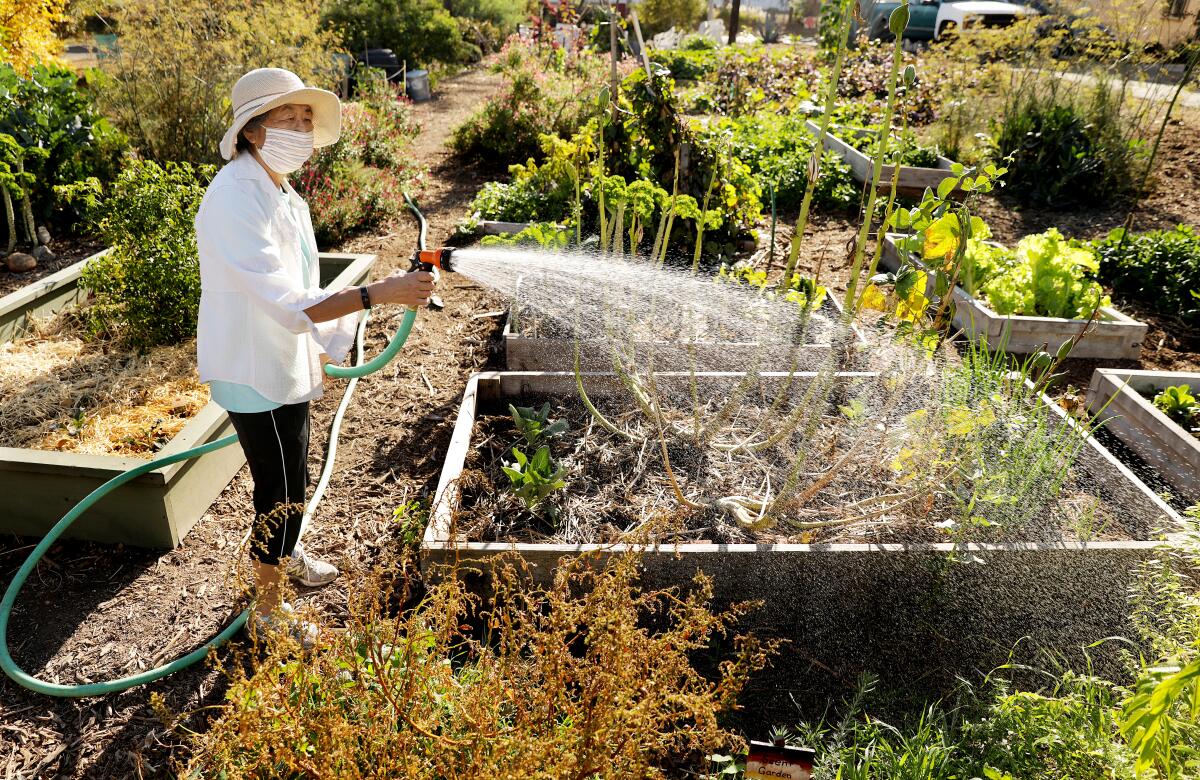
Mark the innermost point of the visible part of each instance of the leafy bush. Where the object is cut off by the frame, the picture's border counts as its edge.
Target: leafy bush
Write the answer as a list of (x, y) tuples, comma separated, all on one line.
[(1159, 270), (591, 676), (1048, 276), (777, 150), (51, 116), (1063, 153), (171, 77), (903, 146), (543, 93), (686, 64), (358, 183), (147, 289), (534, 193), (420, 32)]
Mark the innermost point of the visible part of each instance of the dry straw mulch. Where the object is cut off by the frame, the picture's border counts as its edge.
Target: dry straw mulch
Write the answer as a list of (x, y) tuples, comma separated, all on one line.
[(60, 390)]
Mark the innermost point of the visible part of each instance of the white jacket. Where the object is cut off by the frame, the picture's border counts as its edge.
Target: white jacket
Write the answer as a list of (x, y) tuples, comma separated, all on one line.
[(252, 328)]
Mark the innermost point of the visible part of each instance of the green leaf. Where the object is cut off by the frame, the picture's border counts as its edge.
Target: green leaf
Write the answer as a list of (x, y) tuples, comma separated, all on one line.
[(898, 20), (947, 186)]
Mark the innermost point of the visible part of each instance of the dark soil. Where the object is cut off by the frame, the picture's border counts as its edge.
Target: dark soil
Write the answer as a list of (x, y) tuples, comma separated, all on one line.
[(67, 251), (92, 611)]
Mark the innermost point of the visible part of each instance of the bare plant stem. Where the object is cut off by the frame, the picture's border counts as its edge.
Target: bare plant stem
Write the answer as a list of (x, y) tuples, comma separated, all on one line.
[(10, 218), (712, 182), (810, 189)]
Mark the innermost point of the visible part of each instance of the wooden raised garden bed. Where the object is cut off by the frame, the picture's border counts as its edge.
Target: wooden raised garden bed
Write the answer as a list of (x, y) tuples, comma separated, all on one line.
[(913, 180), (43, 298), (907, 611), (1113, 336), (525, 353), (156, 509), (1123, 400)]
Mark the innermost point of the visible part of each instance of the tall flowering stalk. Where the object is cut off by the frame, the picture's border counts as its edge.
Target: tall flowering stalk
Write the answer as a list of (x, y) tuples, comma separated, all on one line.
[(896, 23)]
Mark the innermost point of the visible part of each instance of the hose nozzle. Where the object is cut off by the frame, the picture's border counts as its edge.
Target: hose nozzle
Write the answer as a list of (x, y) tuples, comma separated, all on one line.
[(429, 259)]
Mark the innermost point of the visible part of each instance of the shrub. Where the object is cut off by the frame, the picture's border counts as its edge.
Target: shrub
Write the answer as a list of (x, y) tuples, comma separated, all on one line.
[(543, 93), (147, 289), (1067, 148), (1159, 270), (591, 676), (358, 183), (172, 74), (51, 116), (420, 32), (27, 31)]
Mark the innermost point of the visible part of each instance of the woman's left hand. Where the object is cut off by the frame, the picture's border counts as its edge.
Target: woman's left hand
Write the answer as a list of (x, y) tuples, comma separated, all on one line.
[(325, 359)]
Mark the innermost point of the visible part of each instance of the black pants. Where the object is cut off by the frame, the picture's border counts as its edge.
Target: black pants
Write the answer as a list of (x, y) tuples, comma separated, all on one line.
[(276, 447)]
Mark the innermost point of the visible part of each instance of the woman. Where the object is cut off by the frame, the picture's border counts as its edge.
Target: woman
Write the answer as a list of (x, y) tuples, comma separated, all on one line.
[(266, 327)]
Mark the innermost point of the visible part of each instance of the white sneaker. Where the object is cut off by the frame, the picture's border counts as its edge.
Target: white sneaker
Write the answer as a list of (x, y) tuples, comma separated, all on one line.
[(284, 620), (310, 572)]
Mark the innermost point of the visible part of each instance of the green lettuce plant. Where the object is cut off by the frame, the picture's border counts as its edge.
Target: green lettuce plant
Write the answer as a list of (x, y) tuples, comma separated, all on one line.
[(1049, 277), (1178, 403)]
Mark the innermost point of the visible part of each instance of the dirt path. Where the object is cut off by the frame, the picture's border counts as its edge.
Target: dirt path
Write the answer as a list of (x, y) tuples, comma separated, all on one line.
[(95, 612)]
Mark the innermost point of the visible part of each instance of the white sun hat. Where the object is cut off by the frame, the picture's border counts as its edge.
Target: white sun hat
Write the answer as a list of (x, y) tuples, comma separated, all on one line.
[(262, 89)]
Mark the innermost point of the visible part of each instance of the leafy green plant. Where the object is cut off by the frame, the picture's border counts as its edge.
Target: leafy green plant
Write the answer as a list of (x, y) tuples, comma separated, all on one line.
[(535, 479), (1159, 270), (777, 149), (1178, 403), (147, 289), (686, 64), (535, 425), (57, 137), (1060, 153)]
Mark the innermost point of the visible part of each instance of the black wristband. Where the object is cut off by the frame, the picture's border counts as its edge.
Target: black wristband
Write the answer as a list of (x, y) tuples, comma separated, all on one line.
[(366, 297)]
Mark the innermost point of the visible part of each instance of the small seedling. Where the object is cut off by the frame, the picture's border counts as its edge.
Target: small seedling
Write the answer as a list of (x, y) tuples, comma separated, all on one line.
[(535, 425), (534, 479)]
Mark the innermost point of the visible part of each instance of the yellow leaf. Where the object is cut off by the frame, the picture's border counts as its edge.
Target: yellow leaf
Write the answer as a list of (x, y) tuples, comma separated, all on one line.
[(942, 238), (872, 298)]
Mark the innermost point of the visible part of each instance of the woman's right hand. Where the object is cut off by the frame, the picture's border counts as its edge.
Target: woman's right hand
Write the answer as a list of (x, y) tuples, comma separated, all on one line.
[(407, 289)]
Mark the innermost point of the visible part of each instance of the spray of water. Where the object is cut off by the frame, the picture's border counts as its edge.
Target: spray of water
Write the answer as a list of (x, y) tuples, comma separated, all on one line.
[(804, 445)]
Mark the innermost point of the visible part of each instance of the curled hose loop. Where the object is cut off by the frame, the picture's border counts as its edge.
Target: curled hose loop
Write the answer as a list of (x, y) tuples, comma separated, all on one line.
[(26, 680)]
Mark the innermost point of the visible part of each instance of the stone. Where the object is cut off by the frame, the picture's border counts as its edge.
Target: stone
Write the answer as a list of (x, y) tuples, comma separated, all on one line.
[(43, 235), (42, 254), (19, 262)]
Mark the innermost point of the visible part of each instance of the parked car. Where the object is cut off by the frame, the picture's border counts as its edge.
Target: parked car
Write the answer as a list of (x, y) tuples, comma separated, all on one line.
[(928, 20)]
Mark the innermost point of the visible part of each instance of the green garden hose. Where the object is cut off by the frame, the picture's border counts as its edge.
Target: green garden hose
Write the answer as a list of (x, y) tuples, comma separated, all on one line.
[(26, 680)]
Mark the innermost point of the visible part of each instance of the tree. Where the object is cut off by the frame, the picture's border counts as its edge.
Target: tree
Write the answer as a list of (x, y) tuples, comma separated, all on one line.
[(659, 15), (27, 31)]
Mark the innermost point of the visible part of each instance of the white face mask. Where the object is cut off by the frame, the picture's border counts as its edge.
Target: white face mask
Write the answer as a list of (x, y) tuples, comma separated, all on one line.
[(284, 151)]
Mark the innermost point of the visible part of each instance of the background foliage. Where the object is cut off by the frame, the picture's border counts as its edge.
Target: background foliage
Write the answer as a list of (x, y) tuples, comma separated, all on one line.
[(169, 82)]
